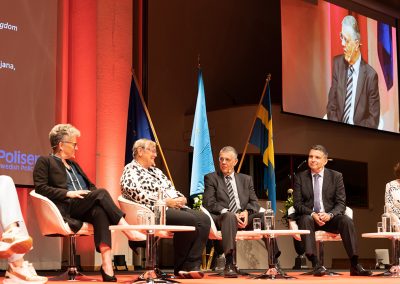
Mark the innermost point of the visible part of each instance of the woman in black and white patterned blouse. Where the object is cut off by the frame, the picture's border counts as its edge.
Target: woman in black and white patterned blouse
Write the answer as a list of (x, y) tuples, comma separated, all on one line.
[(141, 181), (392, 196)]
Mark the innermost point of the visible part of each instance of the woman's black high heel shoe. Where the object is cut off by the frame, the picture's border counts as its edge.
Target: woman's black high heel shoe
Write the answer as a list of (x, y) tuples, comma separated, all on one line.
[(106, 277)]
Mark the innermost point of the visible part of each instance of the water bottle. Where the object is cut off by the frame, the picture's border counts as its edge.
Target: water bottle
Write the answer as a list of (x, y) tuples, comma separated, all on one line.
[(269, 217), (386, 222), (159, 210)]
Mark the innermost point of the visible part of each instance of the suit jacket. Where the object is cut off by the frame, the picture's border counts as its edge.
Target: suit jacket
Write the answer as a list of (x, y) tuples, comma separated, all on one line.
[(333, 193), (366, 104), (50, 179), (216, 196)]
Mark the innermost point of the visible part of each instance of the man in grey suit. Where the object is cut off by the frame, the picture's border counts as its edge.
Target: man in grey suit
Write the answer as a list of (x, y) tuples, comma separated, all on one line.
[(354, 94), (320, 202), (232, 203)]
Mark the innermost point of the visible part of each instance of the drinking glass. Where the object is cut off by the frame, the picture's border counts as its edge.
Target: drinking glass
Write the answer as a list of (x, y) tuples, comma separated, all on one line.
[(268, 223), (379, 227), (257, 224)]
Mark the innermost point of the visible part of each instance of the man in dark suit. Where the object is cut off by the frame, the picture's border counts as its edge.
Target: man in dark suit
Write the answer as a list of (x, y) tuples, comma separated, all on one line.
[(320, 202), (232, 203), (354, 94)]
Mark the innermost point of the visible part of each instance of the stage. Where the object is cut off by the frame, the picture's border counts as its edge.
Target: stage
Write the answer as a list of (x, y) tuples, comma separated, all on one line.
[(128, 277)]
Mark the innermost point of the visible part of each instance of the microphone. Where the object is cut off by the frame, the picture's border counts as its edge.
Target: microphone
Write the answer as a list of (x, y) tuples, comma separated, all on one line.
[(330, 160), (301, 164)]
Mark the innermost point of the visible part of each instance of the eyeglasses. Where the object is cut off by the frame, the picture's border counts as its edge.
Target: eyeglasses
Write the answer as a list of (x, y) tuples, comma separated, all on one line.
[(343, 38), (221, 159), (154, 150), (74, 144)]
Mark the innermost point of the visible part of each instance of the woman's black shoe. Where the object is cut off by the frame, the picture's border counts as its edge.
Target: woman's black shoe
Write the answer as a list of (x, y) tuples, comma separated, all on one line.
[(106, 277)]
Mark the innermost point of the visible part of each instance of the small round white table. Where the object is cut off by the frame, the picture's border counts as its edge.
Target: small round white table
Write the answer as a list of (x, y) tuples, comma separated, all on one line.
[(394, 271), (152, 275), (270, 235)]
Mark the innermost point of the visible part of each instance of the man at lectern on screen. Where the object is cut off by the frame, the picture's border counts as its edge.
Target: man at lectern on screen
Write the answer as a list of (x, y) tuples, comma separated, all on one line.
[(354, 95)]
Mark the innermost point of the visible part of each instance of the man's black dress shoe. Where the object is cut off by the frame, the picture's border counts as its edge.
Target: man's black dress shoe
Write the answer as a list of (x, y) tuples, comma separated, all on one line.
[(106, 277), (358, 270), (319, 271), (230, 271)]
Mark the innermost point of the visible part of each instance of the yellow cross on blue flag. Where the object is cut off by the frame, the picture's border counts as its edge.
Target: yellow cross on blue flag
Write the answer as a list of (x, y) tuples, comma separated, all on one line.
[(262, 137)]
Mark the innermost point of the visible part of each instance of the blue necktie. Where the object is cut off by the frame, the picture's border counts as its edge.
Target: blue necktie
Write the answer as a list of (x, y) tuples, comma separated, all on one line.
[(232, 202), (317, 193)]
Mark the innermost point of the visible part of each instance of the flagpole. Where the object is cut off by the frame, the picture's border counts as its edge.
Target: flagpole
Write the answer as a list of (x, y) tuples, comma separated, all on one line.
[(151, 125), (254, 121)]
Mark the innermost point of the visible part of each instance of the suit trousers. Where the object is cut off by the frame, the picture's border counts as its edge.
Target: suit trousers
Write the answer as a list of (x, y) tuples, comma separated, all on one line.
[(188, 246), (227, 223), (340, 224), (10, 210), (99, 209)]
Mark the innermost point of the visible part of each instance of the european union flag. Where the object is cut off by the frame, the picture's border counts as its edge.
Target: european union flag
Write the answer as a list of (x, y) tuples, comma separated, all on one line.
[(203, 162), (138, 125), (262, 137)]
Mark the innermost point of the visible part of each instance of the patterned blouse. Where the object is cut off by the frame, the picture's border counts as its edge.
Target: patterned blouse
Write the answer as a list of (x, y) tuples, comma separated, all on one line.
[(392, 197), (141, 185)]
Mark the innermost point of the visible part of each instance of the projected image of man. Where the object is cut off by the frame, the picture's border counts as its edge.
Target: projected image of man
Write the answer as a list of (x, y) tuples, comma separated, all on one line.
[(354, 95)]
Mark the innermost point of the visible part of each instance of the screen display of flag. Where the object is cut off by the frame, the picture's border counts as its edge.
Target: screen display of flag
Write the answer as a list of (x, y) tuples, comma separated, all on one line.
[(314, 66)]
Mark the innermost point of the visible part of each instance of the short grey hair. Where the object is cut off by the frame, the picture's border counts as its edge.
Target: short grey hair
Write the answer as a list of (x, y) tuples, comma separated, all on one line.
[(60, 131), (320, 148), (142, 143), (351, 22), (229, 149)]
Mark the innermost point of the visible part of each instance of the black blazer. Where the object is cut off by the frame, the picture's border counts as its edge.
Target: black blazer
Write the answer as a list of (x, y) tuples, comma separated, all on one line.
[(50, 179), (333, 193), (216, 196), (367, 102)]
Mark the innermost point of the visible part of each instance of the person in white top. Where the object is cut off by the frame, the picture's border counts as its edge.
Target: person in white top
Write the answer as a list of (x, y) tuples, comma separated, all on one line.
[(141, 181), (392, 198), (15, 240)]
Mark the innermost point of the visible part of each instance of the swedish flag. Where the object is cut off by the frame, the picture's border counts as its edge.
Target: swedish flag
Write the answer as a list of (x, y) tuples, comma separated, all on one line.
[(262, 137)]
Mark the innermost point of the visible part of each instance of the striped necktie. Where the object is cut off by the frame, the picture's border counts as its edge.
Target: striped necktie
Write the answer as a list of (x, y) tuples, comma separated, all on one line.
[(349, 95), (317, 193), (232, 202)]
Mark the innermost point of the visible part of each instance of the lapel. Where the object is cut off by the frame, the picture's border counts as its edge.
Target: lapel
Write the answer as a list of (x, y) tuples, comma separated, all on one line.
[(325, 185), (223, 185), (342, 81), (360, 83), (309, 184), (240, 188)]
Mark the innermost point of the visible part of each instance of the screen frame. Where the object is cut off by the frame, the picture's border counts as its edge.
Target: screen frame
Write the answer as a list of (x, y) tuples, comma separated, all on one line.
[(374, 15)]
